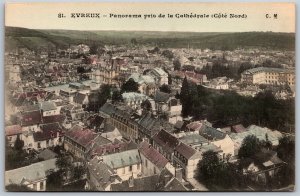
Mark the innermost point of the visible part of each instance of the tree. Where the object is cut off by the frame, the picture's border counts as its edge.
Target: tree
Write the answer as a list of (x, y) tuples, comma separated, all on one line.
[(165, 88), (185, 97), (54, 181), (19, 144), (130, 86), (78, 172), (249, 147), (116, 96), (177, 64), (168, 54), (63, 163), (146, 106)]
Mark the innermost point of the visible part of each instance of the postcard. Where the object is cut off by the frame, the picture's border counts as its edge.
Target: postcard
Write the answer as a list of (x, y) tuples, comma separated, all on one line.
[(149, 97)]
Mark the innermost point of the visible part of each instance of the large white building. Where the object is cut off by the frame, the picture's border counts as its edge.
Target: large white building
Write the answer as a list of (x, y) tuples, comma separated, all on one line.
[(266, 75)]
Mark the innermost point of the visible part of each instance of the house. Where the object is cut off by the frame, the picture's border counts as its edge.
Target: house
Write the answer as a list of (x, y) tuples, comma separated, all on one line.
[(48, 108), (263, 166), (80, 141), (165, 181), (186, 158), (30, 121), (152, 161), (165, 143), (11, 133), (110, 132), (134, 100), (146, 83), (81, 99), (159, 75), (33, 176), (100, 176), (168, 105), (126, 163), (219, 139), (49, 135)]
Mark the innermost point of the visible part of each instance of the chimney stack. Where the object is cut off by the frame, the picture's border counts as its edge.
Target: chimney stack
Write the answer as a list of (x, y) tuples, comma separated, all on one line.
[(178, 174)]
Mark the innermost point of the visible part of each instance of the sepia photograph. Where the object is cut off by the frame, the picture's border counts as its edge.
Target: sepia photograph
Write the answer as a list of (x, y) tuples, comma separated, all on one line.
[(149, 97)]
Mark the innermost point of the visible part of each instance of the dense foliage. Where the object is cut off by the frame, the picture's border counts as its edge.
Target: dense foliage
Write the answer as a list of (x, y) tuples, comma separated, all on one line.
[(219, 174), (224, 108)]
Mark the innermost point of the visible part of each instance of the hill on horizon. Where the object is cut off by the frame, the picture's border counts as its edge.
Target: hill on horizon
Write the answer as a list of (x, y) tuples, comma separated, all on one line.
[(34, 39)]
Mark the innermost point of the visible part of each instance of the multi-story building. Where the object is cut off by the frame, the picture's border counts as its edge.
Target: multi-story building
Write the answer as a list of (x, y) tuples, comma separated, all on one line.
[(266, 75)]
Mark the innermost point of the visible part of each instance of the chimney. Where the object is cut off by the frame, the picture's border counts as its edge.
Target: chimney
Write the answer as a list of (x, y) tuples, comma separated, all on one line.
[(131, 181), (178, 174), (167, 178)]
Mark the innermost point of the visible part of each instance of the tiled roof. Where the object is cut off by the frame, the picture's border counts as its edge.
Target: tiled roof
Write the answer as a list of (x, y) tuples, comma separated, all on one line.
[(153, 155), (167, 141), (238, 128), (185, 150), (31, 118), (82, 137), (47, 132), (13, 130), (52, 119)]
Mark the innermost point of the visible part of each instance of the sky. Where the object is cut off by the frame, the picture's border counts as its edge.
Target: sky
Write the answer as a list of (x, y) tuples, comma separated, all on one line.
[(45, 16)]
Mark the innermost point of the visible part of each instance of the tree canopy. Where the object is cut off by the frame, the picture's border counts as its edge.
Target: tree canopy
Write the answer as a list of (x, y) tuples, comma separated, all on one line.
[(130, 86)]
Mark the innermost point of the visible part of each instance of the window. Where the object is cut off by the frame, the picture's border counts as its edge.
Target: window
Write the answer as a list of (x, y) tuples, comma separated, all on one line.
[(130, 168), (39, 145), (41, 185), (34, 187), (146, 163), (154, 170)]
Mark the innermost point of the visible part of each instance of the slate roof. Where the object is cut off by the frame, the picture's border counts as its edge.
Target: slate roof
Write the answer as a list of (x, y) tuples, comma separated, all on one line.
[(148, 183), (153, 155), (102, 172), (122, 159), (193, 139), (167, 141), (30, 173), (47, 105), (108, 108), (161, 97), (13, 130), (47, 154), (79, 98), (175, 185), (211, 133)]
